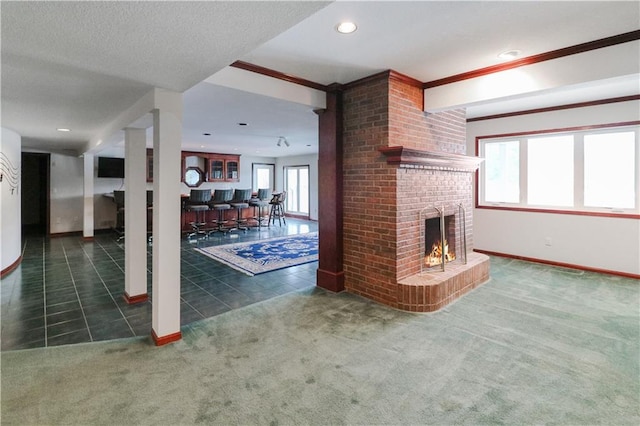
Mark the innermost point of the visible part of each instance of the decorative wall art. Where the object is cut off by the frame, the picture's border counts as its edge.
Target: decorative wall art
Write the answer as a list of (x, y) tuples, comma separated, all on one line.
[(9, 173)]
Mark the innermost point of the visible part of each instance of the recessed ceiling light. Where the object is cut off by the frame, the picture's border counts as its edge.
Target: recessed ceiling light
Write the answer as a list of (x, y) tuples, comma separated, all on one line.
[(509, 55), (63, 129), (346, 27)]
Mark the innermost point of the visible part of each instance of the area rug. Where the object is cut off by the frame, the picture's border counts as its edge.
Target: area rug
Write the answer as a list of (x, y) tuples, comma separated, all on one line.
[(258, 257)]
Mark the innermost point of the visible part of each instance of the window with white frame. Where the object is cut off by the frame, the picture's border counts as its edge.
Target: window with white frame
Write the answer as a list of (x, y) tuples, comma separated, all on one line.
[(594, 170)]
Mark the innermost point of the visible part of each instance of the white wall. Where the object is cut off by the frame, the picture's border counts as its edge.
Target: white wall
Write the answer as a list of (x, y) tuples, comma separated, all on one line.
[(594, 242), (104, 209), (302, 160), (10, 226), (67, 188), (66, 206)]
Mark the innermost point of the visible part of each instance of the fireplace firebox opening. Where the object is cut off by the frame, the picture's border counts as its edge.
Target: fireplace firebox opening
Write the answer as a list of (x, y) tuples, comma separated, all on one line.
[(434, 248), (444, 233)]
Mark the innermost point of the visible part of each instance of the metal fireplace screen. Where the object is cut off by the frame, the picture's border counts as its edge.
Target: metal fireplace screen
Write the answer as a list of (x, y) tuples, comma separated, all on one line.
[(444, 241)]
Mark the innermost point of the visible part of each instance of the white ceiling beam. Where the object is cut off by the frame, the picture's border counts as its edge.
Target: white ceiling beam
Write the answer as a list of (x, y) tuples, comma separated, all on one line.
[(237, 78), (582, 68), (137, 116)]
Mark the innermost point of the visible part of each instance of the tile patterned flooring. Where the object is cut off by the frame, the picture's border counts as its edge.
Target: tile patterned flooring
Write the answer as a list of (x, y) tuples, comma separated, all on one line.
[(69, 291)]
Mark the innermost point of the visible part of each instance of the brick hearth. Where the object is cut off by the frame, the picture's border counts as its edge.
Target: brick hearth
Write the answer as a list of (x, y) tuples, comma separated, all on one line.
[(397, 161), (430, 291)]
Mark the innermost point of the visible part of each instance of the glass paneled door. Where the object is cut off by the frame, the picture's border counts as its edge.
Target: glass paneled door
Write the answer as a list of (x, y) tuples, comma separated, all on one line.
[(297, 187)]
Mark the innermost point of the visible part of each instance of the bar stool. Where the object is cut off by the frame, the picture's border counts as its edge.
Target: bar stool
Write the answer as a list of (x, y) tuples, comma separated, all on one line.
[(259, 203), (118, 198), (277, 208), (219, 203), (198, 203), (240, 202)]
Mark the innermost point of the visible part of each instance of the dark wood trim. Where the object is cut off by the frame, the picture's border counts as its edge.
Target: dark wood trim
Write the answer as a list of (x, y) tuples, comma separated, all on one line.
[(332, 281), (556, 211), (66, 234), (297, 216), (88, 239), (554, 54), (132, 300), (557, 108), (476, 184), (160, 341), (278, 75), (560, 264), (559, 130), (330, 273), (534, 59), (401, 156), (9, 269), (382, 75), (410, 81)]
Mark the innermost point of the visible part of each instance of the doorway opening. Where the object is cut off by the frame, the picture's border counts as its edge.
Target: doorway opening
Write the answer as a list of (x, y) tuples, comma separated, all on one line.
[(35, 193), (296, 182), (263, 176)]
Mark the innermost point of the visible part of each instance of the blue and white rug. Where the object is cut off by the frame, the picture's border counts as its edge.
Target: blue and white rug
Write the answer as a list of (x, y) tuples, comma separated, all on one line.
[(258, 257)]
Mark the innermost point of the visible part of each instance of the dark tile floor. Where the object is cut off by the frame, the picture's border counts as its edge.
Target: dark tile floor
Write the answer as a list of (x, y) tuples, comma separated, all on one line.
[(70, 291)]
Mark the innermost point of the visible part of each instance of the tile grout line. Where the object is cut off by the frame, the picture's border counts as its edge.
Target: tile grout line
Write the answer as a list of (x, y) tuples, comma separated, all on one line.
[(223, 298), (44, 290), (203, 289), (109, 254), (76, 291), (210, 294), (105, 286)]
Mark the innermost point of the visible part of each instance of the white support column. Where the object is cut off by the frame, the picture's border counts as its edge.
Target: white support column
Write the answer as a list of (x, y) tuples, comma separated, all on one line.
[(87, 211), (135, 216), (167, 132)]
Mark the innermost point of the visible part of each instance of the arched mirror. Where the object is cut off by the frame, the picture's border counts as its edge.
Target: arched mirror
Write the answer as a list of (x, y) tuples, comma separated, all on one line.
[(193, 177)]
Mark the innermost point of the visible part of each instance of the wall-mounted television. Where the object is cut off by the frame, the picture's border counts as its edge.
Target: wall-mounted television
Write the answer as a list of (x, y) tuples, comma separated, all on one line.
[(110, 167)]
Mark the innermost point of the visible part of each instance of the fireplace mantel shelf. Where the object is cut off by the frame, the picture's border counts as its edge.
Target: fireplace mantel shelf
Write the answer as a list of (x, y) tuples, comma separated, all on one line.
[(414, 158)]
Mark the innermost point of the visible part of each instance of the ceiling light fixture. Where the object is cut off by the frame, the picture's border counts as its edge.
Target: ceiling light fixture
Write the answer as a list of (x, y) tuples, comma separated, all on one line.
[(509, 55), (282, 139), (63, 129), (346, 27)]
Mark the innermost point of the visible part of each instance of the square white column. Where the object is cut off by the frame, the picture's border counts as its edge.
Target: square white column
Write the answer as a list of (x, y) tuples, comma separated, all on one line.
[(167, 137), (135, 216), (87, 210)]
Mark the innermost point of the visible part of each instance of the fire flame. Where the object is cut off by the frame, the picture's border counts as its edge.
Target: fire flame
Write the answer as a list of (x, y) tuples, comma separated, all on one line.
[(435, 257)]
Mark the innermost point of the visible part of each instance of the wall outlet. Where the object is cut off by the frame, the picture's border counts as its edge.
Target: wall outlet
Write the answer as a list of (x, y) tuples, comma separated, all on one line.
[(548, 242)]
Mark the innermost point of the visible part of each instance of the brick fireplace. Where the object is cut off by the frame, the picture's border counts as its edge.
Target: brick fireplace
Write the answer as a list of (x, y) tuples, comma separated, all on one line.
[(398, 163)]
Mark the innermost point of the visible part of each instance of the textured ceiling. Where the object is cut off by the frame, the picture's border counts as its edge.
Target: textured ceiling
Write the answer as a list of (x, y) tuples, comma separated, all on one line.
[(79, 64)]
